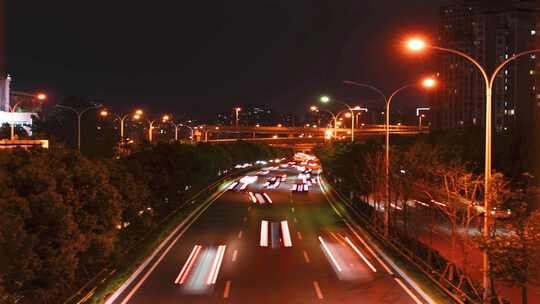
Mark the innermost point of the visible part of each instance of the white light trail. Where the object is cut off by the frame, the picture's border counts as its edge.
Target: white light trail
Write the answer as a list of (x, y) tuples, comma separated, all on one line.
[(267, 197), (360, 254), (181, 278), (216, 265), (264, 234), (287, 242), (332, 258)]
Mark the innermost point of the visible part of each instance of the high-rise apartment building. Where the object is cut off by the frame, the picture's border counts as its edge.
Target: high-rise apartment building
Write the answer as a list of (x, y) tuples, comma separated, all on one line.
[(490, 31)]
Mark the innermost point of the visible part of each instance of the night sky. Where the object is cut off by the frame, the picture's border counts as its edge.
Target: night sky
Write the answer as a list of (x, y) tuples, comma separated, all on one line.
[(204, 57)]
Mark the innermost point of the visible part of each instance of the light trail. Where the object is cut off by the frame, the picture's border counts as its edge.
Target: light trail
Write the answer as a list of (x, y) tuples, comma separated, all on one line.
[(216, 265), (264, 234), (181, 278), (287, 242), (408, 291), (253, 198), (332, 258), (267, 197), (360, 254)]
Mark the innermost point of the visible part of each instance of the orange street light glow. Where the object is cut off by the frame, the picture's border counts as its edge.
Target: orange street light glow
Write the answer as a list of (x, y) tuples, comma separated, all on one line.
[(166, 117), (429, 83), (313, 108), (348, 115), (139, 112), (136, 116), (103, 113), (41, 96), (416, 44)]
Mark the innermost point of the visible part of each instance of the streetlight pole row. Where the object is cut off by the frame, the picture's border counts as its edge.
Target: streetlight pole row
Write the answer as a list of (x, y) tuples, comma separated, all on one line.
[(428, 83)]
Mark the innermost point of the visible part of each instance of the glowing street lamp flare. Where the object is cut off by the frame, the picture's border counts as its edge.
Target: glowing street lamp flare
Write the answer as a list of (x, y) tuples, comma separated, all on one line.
[(139, 112), (166, 117), (136, 116), (313, 108), (324, 99), (103, 113), (429, 82), (41, 96), (416, 44)]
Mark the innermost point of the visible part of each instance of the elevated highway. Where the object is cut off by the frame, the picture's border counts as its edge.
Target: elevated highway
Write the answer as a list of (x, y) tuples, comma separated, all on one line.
[(298, 138)]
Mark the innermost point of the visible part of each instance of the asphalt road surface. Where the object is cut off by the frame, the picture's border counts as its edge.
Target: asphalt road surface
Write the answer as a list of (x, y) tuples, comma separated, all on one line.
[(293, 250)]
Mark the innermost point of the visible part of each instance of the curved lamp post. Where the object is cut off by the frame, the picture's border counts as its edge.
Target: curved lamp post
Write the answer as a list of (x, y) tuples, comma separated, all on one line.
[(418, 45), (427, 83), (327, 99), (13, 109), (334, 117), (79, 114), (121, 119)]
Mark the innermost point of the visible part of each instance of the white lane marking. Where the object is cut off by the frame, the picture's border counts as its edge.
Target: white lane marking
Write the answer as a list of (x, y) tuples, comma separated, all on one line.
[(306, 257), (264, 234), (330, 254), (299, 235), (235, 253), (245, 219), (360, 254), (403, 275), (240, 234), (201, 210), (187, 265), (295, 220), (354, 231), (318, 290), (292, 209), (408, 291), (227, 289), (287, 242)]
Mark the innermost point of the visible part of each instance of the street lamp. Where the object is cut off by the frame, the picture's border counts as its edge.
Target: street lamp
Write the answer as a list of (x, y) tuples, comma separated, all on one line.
[(327, 99), (122, 119), (334, 118), (79, 114), (427, 83), (177, 126), (419, 45), (420, 121), (39, 96), (236, 111)]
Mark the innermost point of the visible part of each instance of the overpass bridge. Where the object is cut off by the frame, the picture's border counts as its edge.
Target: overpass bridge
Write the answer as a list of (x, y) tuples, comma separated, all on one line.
[(298, 138)]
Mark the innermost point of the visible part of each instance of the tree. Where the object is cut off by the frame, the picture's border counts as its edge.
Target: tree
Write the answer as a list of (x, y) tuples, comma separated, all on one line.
[(515, 251)]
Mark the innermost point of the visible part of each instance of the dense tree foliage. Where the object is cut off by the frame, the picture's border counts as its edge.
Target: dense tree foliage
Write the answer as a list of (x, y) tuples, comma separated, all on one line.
[(445, 171), (64, 217)]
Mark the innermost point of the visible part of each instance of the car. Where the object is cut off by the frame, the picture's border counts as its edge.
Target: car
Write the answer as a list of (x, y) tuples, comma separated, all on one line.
[(501, 213), (272, 183), (300, 188), (260, 198)]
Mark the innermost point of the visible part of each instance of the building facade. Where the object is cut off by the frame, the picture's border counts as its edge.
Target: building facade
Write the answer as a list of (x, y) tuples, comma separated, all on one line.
[(490, 31)]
